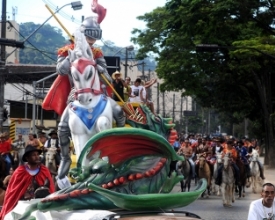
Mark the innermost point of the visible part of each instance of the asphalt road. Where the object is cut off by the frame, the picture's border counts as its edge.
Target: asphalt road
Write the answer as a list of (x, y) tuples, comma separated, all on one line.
[(212, 208)]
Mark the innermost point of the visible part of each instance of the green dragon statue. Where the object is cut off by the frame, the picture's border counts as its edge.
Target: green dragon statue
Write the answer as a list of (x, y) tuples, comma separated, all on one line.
[(128, 169)]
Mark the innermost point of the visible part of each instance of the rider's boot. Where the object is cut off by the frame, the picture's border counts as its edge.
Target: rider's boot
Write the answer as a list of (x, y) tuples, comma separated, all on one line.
[(261, 170), (218, 180), (248, 171)]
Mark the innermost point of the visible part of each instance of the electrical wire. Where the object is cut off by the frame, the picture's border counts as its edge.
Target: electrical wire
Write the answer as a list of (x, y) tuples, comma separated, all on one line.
[(30, 42)]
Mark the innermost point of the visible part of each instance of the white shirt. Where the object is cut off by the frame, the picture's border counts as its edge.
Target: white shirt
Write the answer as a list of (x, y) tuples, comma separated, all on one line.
[(259, 212), (136, 91)]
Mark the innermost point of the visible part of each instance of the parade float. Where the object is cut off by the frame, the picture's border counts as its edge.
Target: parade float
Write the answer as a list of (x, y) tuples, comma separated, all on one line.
[(121, 168)]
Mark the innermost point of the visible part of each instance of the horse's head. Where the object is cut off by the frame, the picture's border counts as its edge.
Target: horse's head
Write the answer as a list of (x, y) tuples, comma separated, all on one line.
[(226, 161), (202, 161), (86, 80), (254, 156), (50, 155)]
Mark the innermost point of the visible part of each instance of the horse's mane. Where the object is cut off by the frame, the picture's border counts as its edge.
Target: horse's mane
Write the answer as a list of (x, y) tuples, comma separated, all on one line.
[(81, 48)]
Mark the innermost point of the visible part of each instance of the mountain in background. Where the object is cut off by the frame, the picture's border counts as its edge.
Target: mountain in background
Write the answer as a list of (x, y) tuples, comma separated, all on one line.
[(42, 46)]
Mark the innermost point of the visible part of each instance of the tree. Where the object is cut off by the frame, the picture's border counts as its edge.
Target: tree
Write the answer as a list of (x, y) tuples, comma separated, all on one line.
[(236, 78)]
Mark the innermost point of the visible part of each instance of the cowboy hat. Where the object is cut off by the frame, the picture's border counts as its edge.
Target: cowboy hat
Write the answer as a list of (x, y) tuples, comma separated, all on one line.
[(29, 149), (116, 73), (52, 132)]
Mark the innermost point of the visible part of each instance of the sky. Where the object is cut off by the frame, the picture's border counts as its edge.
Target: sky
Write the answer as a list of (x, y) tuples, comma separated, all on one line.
[(120, 19)]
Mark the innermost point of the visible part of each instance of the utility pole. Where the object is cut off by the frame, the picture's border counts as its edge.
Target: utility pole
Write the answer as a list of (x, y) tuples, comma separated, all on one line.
[(157, 98), (163, 104), (3, 63), (143, 72), (181, 100), (149, 89), (126, 62), (174, 107)]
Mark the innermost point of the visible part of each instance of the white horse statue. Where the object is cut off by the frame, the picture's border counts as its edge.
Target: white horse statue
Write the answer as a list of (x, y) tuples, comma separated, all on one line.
[(255, 171), (89, 113), (228, 182)]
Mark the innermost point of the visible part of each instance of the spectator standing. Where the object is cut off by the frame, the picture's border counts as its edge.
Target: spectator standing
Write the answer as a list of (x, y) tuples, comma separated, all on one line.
[(136, 94), (19, 147), (8, 177), (53, 142), (127, 89), (33, 141), (118, 85), (263, 208), (5, 148), (25, 179), (176, 145)]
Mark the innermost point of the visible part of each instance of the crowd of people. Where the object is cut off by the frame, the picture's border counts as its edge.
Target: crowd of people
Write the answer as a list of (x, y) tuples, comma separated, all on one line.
[(193, 146), (24, 176), (136, 92)]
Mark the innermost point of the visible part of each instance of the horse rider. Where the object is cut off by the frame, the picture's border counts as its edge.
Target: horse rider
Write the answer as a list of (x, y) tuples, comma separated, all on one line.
[(216, 148), (5, 148), (243, 155), (233, 152), (187, 151), (261, 166), (53, 142)]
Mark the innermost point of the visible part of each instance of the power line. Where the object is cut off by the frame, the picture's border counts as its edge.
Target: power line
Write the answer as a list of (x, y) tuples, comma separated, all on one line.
[(30, 42)]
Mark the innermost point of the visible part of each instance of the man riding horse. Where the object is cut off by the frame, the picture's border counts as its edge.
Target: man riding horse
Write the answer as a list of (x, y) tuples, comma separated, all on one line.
[(233, 152)]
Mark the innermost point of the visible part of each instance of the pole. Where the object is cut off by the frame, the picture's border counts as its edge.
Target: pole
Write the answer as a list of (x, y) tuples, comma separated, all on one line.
[(34, 107), (181, 101), (163, 105), (59, 22), (143, 73), (174, 107), (3, 63), (126, 61), (157, 98), (26, 105)]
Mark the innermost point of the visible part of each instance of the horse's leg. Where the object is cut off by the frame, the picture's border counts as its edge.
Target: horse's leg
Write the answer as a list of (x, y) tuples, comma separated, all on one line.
[(223, 191), (64, 141), (182, 185), (239, 190), (232, 193)]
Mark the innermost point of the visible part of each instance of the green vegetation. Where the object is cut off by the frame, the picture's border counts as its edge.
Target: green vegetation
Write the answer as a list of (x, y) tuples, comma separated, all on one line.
[(237, 79)]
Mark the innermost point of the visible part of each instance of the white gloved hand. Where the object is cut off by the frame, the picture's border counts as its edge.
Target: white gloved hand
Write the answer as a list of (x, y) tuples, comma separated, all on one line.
[(63, 183)]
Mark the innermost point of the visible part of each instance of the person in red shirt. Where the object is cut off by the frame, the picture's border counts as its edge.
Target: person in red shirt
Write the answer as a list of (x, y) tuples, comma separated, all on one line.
[(26, 179), (5, 148)]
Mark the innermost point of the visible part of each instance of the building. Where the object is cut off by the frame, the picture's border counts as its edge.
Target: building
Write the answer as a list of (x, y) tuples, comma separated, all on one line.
[(12, 32)]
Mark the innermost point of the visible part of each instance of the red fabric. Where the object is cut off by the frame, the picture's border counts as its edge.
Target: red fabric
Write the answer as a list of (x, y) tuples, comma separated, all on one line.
[(56, 98), (5, 147), (18, 185)]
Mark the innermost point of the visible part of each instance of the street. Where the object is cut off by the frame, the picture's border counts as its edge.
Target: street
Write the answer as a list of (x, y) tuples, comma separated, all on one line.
[(212, 208)]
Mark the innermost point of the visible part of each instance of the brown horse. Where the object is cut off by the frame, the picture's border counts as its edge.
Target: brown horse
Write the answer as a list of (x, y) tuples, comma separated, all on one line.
[(243, 177), (204, 171)]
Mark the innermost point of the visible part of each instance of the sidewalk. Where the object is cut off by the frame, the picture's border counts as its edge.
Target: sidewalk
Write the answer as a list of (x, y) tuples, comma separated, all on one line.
[(269, 173)]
